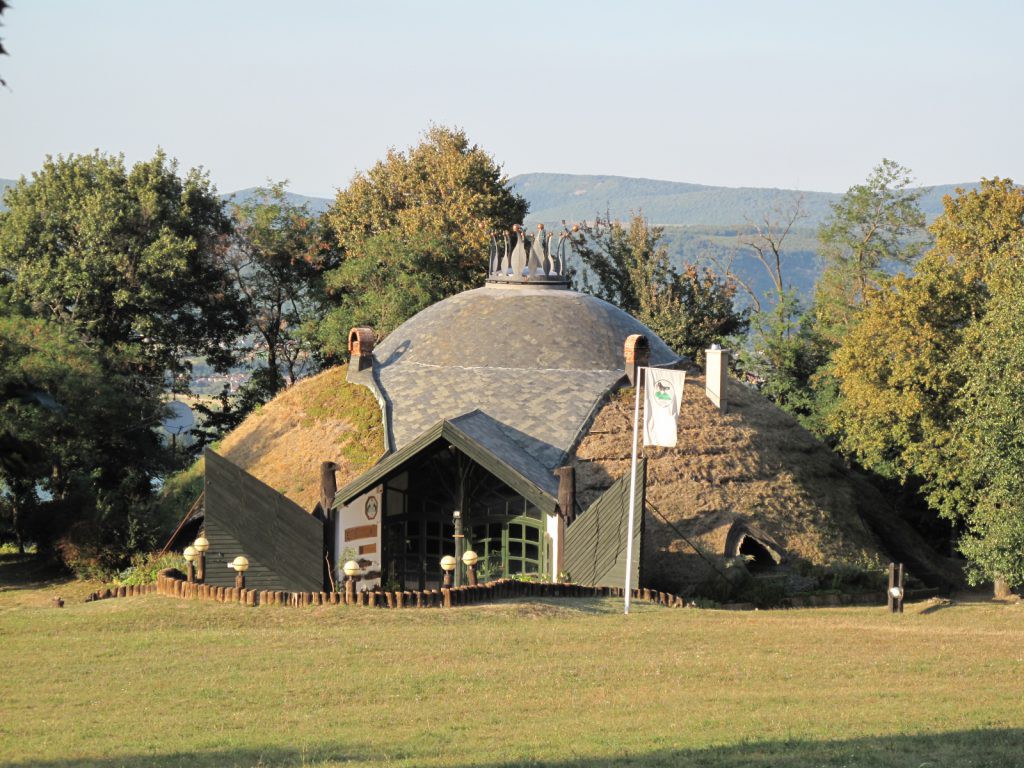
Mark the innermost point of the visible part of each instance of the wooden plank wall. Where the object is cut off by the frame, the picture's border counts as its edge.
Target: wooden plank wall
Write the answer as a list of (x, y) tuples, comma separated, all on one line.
[(595, 543), (244, 516)]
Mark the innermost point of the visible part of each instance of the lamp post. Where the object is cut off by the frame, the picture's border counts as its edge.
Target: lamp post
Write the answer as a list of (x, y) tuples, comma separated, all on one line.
[(469, 559), (459, 544), (448, 564), (201, 545), (241, 565), (191, 555), (351, 569)]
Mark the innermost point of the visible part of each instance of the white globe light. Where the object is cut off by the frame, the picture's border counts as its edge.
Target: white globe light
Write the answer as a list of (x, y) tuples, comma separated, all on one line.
[(448, 563), (240, 564), (351, 569), (201, 544), (470, 558), (191, 553)]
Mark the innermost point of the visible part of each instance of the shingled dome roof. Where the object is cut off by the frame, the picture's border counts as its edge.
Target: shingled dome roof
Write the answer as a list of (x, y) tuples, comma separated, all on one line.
[(538, 360)]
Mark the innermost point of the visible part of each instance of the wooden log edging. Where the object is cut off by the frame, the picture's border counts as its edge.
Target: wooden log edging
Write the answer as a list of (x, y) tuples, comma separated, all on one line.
[(133, 590), (170, 583)]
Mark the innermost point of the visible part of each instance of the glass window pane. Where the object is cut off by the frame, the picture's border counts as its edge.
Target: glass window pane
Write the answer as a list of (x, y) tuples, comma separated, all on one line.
[(449, 530), (394, 503), (532, 551), (412, 528), (515, 548), (531, 567), (515, 531), (532, 534), (495, 531), (515, 566), (433, 528)]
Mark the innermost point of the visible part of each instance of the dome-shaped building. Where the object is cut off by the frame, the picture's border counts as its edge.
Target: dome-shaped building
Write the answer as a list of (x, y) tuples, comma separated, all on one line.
[(506, 414)]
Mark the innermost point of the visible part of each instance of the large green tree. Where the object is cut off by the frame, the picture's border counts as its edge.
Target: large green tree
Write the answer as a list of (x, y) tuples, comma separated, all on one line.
[(412, 230), (627, 265), (127, 259), (118, 272), (925, 373)]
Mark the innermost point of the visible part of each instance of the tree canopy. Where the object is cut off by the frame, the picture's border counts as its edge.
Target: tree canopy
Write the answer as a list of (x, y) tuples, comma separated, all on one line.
[(874, 226), (111, 278), (415, 225), (126, 258), (629, 267), (927, 370)]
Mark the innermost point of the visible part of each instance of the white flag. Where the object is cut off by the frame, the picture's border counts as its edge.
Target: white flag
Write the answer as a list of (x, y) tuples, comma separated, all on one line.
[(662, 398)]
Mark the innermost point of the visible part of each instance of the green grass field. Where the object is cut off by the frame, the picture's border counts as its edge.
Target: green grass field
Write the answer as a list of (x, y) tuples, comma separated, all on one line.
[(152, 681)]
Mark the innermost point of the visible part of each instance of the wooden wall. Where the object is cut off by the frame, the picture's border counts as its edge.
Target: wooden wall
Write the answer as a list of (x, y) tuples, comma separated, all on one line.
[(595, 543), (284, 543)]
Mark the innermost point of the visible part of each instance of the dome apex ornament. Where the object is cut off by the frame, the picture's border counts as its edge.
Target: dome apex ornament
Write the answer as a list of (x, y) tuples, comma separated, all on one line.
[(524, 259)]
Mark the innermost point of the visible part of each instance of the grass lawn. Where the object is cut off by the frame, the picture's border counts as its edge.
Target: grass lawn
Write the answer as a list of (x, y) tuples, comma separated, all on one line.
[(152, 681)]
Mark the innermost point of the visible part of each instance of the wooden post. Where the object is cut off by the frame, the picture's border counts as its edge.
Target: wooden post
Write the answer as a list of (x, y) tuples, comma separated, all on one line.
[(350, 590), (890, 598), (373, 598), (446, 597), (900, 578)]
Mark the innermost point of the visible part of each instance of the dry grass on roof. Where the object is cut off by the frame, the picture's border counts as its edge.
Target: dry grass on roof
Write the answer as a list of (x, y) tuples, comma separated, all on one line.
[(754, 463), (322, 418)]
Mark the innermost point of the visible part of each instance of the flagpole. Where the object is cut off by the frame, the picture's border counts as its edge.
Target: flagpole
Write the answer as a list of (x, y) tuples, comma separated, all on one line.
[(632, 491)]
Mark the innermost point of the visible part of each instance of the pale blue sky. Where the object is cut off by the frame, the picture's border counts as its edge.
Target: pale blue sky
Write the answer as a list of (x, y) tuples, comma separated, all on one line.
[(789, 94)]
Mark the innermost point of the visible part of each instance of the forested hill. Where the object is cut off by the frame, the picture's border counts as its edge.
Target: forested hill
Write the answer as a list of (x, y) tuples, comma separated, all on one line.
[(556, 196)]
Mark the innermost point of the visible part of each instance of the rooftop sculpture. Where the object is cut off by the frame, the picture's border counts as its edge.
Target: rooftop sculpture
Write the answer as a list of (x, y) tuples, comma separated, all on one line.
[(524, 258)]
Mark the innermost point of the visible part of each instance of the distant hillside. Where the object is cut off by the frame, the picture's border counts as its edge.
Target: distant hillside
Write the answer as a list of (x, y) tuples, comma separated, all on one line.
[(701, 221), (316, 204), (554, 196)]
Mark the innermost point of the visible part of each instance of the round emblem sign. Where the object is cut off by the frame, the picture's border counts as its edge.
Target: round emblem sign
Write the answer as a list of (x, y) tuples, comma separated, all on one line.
[(663, 393), (371, 508)]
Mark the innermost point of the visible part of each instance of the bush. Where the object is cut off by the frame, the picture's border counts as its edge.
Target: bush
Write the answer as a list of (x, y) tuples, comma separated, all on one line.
[(145, 566)]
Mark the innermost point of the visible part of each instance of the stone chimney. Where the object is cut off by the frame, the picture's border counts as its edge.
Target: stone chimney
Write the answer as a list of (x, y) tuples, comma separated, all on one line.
[(360, 348), (716, 376), (638, 355)]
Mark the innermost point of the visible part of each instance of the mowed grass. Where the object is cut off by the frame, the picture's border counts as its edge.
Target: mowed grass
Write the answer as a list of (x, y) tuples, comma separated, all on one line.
[(153, 681)]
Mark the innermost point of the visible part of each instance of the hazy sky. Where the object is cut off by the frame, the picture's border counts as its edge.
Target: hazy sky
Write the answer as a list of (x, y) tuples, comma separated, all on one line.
[(789, 94)]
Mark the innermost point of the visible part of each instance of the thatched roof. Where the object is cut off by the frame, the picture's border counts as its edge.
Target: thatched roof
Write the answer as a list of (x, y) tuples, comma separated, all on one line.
[(753, 467)]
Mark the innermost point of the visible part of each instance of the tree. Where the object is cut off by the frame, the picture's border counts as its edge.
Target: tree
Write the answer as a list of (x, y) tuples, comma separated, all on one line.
[(629, 267), (78, 444), (277, 255), (916, 373), (765, 239), (875, 225), (443, 194), (126, 259), (114, 274), (784, 352), (981, 481)]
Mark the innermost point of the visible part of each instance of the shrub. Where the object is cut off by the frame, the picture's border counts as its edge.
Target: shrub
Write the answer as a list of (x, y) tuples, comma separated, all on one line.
[(145, 566)]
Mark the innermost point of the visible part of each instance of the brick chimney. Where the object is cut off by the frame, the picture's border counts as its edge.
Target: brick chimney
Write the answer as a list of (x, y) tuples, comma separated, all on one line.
[(360, 348), (638, 355)]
